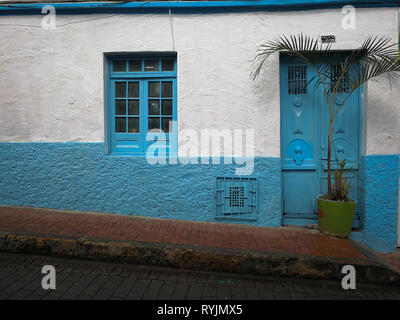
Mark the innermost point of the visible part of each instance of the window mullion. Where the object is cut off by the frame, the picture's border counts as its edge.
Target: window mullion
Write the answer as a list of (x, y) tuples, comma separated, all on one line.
[(143, 109), (126, 106)]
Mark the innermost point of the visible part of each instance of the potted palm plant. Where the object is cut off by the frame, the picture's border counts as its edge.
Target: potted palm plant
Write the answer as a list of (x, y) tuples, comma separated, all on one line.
[(375, 59)]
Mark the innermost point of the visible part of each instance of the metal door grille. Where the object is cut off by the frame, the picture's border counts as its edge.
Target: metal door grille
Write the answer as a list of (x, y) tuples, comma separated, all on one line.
[(297, 79), (343, 85)]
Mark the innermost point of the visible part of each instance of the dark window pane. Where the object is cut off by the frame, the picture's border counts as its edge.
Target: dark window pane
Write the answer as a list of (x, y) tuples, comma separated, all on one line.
[(154, 107), (154, 123), (166, 89), (135, 65), (120, 107), (120, 89), (167, 65), (133, 107), (133, 89), (154, 89), (151, 65), (166, 107), (119, 66), (165, 124), (120, 124), (133, 125)]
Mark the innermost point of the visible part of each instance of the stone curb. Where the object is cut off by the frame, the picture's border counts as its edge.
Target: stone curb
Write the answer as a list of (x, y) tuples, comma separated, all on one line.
[(198, 258)]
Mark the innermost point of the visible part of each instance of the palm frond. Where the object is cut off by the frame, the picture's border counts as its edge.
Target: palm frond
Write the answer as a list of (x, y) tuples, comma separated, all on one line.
[(375, 49), (376, 57), (302, 46), (373, 71)]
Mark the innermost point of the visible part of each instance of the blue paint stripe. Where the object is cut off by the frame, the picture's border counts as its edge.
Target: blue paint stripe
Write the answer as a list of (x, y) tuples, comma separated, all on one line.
[(190, 6)]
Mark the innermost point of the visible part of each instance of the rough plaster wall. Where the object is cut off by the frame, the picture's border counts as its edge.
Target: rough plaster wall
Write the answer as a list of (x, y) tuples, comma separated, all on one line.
[(51, 81), (383, 124), (78, 176), (381, 173)]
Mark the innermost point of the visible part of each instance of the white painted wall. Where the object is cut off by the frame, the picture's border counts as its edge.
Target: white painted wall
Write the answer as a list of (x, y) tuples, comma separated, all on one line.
[(51, 81)]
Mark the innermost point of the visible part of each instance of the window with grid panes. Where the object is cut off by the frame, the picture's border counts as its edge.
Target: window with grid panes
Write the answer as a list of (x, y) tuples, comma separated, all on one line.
[(141, 100)]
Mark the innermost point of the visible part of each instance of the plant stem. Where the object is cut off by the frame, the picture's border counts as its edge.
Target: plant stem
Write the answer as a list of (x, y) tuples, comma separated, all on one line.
[(329, 159)]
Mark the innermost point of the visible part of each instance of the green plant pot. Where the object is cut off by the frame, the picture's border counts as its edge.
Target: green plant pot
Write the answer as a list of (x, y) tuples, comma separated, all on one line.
[(334, 217)]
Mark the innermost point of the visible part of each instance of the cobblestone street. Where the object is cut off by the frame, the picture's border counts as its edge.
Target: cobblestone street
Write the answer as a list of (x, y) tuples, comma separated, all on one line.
[(20, 278)]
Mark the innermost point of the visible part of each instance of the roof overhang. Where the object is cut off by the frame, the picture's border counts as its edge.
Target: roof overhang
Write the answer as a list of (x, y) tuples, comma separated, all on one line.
[(32, 7)]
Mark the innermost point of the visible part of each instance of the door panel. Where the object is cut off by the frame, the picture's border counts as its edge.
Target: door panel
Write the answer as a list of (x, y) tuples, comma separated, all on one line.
[(345, 145), (298, 119), (300, 188), (299, 157), (345, 134)]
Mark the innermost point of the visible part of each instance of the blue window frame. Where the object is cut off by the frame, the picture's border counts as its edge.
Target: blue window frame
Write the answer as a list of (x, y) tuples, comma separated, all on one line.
[(141, 95)]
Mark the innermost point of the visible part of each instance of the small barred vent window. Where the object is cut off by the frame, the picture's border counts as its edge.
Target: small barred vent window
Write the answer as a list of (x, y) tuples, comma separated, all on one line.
[(343, 86), (297, 79), (237, 198)]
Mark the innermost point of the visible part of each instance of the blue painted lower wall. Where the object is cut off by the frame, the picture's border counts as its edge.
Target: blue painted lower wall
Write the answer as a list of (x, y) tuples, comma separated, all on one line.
[(79, 176), (379, 192)]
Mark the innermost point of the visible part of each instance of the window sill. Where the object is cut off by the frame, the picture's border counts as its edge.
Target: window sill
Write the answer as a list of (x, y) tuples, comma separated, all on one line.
[(139, 154), (232, 218)]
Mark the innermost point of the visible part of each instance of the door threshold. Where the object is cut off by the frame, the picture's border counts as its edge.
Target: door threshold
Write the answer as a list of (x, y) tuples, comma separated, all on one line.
[(303, 222)]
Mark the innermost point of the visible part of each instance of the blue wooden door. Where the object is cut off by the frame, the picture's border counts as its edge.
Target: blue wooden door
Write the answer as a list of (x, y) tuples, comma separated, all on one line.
[(304, 137)]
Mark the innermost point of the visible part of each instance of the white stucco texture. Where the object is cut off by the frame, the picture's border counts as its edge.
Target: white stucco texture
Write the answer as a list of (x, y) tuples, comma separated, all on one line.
[(51, 81)]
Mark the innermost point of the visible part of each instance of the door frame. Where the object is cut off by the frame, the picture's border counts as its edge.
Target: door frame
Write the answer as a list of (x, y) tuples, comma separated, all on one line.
[(359, 137)]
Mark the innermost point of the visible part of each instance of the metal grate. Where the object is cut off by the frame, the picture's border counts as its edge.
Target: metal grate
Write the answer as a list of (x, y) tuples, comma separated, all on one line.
[(236, 197), (343, 86), (297, 79)]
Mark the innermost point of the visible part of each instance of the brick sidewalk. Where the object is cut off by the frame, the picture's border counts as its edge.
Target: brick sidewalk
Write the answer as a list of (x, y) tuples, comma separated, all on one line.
[(56, 223), (392, 258)]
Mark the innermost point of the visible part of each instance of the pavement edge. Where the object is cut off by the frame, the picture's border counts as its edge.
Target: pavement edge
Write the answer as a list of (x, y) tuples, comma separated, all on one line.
[(199, 258)]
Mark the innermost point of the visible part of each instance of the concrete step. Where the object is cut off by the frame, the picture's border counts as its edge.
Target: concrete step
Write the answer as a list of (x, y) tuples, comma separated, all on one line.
[(239, 261)]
